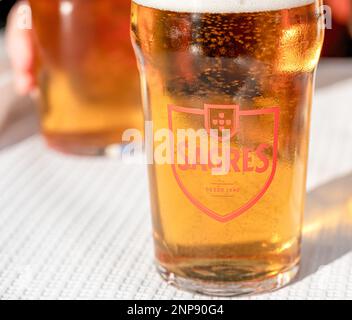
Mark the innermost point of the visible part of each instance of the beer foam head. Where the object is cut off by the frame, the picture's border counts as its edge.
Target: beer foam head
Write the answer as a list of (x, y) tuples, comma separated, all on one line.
[(222, 6)]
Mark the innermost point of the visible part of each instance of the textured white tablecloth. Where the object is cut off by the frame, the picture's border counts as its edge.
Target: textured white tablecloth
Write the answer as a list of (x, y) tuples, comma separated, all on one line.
[(73, 228)]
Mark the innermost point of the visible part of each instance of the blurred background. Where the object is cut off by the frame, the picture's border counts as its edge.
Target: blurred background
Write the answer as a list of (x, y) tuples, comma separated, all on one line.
[(338, 40), (18, 116), (112, 250), (5, 6)]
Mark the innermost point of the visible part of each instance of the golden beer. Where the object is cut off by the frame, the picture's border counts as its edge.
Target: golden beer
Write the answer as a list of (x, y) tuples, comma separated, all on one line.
[(89, 84), (242, 65)]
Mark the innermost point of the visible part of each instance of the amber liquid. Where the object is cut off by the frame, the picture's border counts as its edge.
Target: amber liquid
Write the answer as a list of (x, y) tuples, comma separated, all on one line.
[(88, 79), (256, 60)]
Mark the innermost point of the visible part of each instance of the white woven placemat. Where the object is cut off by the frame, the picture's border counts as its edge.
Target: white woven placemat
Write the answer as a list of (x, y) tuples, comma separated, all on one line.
[(73, 228)]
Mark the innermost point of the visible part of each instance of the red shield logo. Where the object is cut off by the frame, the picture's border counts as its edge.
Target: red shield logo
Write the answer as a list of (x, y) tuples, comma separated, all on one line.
[(254, 149), (222, 117)]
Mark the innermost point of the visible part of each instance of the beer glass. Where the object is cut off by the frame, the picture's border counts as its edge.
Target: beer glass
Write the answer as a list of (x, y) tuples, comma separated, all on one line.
[(245, 68), (86, 72)]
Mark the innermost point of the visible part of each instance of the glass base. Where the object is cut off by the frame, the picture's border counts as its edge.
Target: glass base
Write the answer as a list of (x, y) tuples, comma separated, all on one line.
[(230, 289), (81, 151), (94, 145), (84, 150)]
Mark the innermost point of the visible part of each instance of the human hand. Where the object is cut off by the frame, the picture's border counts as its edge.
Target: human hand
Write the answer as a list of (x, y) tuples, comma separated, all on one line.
[(19, 44)]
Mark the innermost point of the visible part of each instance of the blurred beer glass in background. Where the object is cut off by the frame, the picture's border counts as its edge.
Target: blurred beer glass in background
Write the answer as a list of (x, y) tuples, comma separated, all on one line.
[(88, 80), (249, 66), (350, 19)]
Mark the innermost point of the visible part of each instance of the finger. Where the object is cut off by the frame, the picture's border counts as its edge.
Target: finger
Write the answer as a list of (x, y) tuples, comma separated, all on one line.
[(19, 44)]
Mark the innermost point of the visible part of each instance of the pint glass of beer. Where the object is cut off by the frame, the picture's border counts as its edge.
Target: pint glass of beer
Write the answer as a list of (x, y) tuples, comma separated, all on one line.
[(86, 72), (245, 68)]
